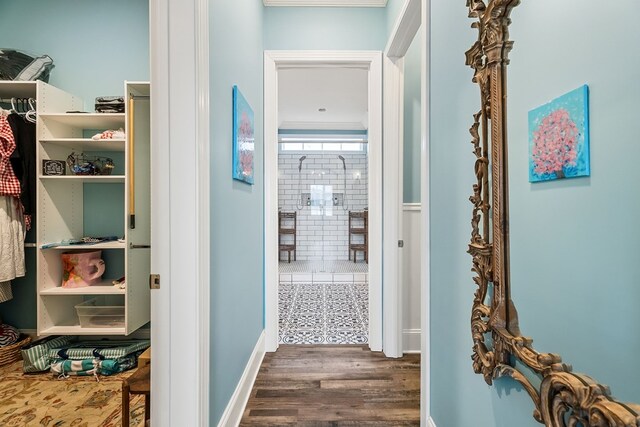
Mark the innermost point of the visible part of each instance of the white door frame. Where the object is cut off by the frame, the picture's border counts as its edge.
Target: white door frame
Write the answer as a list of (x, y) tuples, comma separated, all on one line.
[(180, 237), (413, 15), (425, 311), (273, 61)]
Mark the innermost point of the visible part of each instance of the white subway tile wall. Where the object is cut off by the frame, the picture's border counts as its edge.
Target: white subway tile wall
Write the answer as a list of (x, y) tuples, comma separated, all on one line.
[(322, 178)]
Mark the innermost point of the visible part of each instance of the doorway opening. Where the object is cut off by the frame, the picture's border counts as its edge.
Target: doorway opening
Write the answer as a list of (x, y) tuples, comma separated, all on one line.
[(323, 194), (323, 211)]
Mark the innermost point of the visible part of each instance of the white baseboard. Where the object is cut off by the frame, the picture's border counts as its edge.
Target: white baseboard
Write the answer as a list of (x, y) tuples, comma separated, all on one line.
[(411, 340), (430, 422), (233, 413), (140, 334)]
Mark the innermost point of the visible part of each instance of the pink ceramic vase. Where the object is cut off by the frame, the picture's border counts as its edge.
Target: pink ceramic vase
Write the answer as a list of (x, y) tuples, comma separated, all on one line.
[(81, 268)]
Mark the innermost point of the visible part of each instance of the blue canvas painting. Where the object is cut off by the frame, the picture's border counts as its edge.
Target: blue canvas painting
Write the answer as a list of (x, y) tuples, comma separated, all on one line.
[(559, 137), (243, 138)]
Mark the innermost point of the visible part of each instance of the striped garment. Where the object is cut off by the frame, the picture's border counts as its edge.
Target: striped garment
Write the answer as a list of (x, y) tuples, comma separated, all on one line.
[(40, 355), (95, 367)]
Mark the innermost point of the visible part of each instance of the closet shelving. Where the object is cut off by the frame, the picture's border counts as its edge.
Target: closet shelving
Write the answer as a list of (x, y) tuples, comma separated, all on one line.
[(73, 206)]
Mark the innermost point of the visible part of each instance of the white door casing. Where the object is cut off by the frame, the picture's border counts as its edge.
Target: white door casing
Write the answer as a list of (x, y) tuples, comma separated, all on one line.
[(180, 236), (404, 31), (372, 61)]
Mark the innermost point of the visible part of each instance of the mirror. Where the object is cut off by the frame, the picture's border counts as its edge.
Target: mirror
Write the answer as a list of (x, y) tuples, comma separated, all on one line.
[(562, 250)]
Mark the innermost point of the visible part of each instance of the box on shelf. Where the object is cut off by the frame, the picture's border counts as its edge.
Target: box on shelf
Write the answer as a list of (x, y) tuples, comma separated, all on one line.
[(93, 315)]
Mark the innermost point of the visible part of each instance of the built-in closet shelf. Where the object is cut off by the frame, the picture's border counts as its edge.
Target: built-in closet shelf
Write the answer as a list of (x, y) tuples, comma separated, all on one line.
[(105, 288), (107, 179), (77, 330), (68, 210), (88, 120), (86, 144), (9, 89), (96, 246)]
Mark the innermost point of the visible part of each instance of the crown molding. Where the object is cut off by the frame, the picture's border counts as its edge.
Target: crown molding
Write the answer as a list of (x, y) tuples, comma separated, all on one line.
[(326, 3)]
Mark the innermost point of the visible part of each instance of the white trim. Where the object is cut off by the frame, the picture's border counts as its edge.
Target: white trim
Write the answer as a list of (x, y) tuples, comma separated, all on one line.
[(179, 112), (425, 311), (392, 196), (235, 408), (161, 396), (203, 219), (270, 202), (412, 207), (405, 29), (431, 423), (326, 3), (323, 125), (274, 60), (411, 340), (376, 308)]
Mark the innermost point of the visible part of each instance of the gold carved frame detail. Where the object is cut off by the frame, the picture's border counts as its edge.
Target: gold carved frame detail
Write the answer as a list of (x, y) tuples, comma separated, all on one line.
[(564, 398)]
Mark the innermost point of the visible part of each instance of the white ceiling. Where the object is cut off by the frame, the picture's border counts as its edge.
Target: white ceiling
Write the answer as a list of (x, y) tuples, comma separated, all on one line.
[(342, 91)]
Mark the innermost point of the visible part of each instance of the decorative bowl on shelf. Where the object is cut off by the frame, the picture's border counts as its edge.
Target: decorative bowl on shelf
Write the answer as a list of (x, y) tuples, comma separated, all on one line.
[(81, 164)]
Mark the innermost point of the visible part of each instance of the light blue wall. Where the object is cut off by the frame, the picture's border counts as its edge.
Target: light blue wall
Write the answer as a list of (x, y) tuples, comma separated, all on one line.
[(95, 45), (394, 7), (91, 59), (237, 229), (575, 241), (572, 242), (325, 28), (412, 123)]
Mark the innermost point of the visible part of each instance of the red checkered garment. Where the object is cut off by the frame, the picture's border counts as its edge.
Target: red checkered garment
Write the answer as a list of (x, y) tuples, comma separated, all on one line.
[(9, 184)]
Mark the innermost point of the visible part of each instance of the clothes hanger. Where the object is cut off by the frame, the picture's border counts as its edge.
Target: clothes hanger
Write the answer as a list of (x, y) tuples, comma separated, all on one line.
[(31, 114)]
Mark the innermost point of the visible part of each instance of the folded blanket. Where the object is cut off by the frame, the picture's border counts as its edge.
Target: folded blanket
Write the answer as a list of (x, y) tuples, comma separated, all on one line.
[(95, 367)]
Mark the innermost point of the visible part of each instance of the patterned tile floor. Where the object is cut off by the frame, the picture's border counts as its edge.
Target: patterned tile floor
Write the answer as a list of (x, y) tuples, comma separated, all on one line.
[(328, 267), (323, 313)]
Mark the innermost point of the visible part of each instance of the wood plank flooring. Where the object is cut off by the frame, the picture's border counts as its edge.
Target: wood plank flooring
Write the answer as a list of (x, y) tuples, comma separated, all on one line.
[(334, 385)]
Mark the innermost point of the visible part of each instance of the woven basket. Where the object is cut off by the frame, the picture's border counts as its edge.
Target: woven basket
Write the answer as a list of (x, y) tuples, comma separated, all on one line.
[(11, 353)]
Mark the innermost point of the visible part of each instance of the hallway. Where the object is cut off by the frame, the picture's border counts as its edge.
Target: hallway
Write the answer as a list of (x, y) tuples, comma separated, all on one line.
[(326, 385)]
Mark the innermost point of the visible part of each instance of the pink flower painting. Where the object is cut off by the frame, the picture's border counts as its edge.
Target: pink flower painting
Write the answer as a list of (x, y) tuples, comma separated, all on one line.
[(558, 138), (243, 138)]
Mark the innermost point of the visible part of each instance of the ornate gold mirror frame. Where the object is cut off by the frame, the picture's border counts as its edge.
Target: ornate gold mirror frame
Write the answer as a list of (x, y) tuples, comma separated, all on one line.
[(564, 398)]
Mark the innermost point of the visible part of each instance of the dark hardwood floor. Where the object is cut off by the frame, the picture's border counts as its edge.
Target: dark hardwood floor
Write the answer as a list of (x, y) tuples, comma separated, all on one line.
[(334, 385)]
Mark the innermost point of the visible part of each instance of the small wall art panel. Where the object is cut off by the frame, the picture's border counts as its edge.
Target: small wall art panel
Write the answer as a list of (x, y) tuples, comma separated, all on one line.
[(243, 138), (559, 137)]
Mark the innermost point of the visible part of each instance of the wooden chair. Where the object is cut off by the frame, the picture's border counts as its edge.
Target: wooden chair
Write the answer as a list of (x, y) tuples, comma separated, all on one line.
[(138, 383), (359, 226), (285, 231)]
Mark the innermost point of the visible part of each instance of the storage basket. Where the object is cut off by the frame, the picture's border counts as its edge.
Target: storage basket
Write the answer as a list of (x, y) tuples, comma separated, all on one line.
[(11, 353), (82, 164)]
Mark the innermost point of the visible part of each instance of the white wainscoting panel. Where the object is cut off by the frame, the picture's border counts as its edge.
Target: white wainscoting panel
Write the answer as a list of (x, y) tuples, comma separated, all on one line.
[(411, 274)]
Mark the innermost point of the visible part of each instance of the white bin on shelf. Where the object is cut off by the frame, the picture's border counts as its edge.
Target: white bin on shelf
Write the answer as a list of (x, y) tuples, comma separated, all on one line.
[(93, 315)]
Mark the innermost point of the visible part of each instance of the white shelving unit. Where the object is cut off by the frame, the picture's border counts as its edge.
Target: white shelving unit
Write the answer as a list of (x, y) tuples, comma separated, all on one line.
[(65, 205)]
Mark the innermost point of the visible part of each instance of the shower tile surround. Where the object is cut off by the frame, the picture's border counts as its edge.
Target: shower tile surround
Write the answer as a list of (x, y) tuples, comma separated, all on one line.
[(322, 175)]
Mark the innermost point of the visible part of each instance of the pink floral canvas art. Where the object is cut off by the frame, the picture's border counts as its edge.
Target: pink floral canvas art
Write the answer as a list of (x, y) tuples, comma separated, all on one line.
[(559, 137), (243, 138)]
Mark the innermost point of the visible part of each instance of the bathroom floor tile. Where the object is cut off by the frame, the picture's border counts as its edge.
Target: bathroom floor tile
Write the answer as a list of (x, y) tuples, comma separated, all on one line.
[(323, 313)]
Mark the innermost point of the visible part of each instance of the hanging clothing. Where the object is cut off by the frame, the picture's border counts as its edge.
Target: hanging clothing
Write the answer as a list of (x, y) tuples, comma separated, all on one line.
[(5, 292), (23, 162), (9, 184), (11, 239)]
